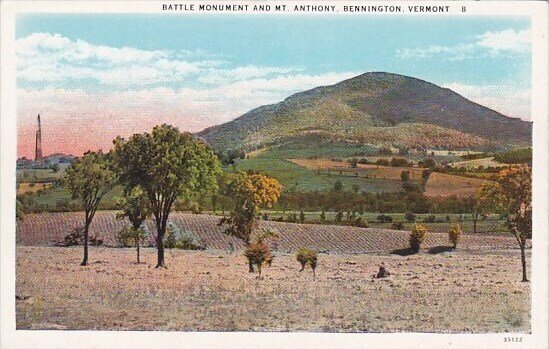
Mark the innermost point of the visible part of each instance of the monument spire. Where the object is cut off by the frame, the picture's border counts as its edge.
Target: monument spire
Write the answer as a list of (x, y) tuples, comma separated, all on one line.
[(38, 149)]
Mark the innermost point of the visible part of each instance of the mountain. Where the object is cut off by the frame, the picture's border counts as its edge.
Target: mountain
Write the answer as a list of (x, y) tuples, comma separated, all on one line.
[(374, 108)]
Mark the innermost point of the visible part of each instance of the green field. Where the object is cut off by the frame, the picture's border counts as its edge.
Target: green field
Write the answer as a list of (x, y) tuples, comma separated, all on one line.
[(39, 175), (298, 178), (60, 199), (492, 224)]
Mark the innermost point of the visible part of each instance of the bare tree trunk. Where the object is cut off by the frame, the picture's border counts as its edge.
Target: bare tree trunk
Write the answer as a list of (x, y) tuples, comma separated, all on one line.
[(160, 261), (523, 260), (250, 266), (138, 261), (475, 220), (86, 229), (160, 242)]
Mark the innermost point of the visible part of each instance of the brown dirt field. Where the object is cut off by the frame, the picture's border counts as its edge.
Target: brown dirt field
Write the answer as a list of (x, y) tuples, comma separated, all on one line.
[(441, 184), (46, 228), (210, 291)]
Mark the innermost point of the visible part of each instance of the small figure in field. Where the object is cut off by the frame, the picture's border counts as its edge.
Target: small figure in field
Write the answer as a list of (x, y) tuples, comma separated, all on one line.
[(382, 273), (305, 256)]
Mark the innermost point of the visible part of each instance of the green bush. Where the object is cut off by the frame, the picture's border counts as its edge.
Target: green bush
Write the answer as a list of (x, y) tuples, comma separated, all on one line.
[(182, 239), (384, 218), (307, 257), (129, 237), (417, 236), (397, 225), (429, 219), (454, 234), (410, 217), (361, 223)]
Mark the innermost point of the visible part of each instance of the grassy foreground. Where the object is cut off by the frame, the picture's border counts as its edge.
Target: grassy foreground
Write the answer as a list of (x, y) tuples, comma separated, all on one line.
[(211, 291)]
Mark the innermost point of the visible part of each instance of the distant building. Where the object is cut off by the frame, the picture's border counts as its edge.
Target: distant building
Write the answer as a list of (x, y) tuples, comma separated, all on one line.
[(40, 161)]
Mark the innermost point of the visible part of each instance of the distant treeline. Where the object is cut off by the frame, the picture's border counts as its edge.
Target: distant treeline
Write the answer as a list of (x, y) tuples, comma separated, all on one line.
[(513, 156), (411, 199)]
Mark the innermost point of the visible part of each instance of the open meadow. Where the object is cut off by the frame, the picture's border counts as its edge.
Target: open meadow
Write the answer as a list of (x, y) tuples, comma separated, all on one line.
[(462, 291)]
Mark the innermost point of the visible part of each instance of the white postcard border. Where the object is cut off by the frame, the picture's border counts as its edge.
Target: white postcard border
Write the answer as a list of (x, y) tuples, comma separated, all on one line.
[(10, 338)]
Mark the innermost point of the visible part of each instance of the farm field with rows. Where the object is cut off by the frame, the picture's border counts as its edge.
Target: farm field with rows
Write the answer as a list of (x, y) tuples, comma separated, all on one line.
[(48, 228)]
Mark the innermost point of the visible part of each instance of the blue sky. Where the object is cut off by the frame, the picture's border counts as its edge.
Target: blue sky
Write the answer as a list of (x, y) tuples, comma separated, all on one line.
[(199, 70)]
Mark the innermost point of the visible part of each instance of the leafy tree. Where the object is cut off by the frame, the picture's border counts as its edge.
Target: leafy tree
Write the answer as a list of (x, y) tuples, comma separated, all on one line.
[(417, 236), (19, 211), (511, 195), (136, 207), (354, 163), (89, 178), (322, 216), (250, 193), (410, 217), (167, 164), (338, 185), (430, 163)]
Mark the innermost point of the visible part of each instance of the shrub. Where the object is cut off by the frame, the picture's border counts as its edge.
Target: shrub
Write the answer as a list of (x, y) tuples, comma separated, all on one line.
[(302, 216), (454, 234), (305, 256), (76, 237), (323, 216), (129, 237), (384, 218), (291, 218), (258, 254), (417, 236), (182, 239), (429, 219), (361, 223), (410, 217), (397, 225), (339, 216)]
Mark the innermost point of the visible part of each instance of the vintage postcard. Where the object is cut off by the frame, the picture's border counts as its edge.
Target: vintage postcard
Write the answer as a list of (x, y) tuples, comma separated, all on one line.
[(274, 174)]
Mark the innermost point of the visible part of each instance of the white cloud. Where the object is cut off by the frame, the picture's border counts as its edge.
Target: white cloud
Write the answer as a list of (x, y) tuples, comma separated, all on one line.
[(52, 58), (504, 98), (136, 87), (190, 108), (506, 40), (219, 76), (502, 42)]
